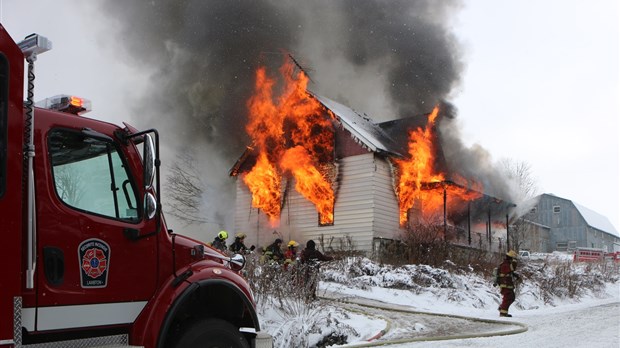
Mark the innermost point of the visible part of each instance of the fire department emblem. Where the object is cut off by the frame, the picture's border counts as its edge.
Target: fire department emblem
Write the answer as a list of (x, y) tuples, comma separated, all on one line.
[(94, 257)]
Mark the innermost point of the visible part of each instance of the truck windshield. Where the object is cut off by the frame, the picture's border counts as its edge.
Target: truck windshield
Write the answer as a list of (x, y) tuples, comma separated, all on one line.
[(89, 175)]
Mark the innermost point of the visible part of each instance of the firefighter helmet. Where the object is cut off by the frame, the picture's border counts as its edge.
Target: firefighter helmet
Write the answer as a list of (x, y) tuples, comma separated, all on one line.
[(293, 244), (223, 235), (512, 254), (240, 235)]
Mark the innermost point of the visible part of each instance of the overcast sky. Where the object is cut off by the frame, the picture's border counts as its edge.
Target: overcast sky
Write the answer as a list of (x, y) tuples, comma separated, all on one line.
[(542, 86), (541, 83)]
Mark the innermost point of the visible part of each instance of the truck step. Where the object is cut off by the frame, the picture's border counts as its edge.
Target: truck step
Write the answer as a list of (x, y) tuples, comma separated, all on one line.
[(115, 341)]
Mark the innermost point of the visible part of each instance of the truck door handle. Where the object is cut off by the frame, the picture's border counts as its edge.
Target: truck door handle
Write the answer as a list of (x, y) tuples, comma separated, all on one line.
[(132, 233), (54, 265)]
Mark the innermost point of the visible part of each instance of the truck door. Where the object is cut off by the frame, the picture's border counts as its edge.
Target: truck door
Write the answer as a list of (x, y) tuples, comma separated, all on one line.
[(91, 272), (11, 164)]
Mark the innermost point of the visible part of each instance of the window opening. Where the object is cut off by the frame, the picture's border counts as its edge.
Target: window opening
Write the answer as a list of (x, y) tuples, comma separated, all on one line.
[(326, 220)]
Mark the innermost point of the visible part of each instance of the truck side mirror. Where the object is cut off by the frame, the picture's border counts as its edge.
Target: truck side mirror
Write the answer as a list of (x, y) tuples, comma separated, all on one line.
[(150, 165), (150, 205), (149, 161), (237, 262)]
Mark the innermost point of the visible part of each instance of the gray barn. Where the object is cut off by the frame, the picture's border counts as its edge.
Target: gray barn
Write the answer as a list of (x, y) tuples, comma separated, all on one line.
[(570, 225)]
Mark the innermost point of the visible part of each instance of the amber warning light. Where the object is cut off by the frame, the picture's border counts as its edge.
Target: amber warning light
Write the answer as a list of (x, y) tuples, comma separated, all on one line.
[(66, 103)]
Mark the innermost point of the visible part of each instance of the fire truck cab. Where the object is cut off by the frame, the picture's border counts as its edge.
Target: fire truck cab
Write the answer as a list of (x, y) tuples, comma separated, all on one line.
[(86, 256)]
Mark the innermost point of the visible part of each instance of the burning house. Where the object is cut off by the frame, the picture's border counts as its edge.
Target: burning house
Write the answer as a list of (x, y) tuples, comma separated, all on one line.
[(319, 170)]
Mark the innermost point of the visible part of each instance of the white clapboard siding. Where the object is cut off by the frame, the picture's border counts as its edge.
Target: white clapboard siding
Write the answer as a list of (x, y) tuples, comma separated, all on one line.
[(365, 208), (386, 203)]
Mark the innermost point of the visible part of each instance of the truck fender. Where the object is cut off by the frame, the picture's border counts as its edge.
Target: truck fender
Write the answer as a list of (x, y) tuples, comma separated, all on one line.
[(195, 304), (175, 303)]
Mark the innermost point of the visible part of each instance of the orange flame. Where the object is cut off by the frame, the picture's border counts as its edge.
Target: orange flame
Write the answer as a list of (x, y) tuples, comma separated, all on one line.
[(420, 184), (264, 183), (291, 134), (309, 181), (417, 169)]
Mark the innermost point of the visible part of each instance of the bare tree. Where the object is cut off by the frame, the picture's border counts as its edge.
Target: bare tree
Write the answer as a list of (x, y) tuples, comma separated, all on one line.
[(525, 189), (69, 184), (185, 190), (520, 174)]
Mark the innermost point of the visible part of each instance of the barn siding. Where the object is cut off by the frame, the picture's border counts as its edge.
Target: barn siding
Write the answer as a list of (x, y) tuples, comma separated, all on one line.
[(568, 228)]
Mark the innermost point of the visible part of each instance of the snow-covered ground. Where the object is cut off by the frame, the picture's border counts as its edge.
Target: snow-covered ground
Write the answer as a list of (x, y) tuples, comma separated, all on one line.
[(592, 320)]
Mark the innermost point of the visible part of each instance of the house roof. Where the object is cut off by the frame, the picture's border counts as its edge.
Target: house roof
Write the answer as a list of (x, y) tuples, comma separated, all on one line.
[(398, 129), (363, 130), (366, 133)]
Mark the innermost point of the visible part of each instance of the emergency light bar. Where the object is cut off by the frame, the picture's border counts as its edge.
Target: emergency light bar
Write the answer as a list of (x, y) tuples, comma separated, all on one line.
[(34, 44), (66, 103)]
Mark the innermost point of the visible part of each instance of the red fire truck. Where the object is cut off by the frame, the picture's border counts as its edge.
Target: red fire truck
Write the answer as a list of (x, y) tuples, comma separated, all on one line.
[(588, 255), (86, 258), (613, 257)]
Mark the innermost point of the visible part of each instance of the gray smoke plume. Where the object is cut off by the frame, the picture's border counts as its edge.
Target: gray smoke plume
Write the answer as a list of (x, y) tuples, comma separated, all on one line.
[(391, 59)]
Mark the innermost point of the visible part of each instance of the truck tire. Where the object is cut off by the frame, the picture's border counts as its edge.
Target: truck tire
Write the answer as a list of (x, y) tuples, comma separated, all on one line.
[(212, 333)]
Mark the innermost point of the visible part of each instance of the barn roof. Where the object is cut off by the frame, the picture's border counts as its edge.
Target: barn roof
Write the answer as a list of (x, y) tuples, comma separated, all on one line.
[(595, 219), (592, 218)]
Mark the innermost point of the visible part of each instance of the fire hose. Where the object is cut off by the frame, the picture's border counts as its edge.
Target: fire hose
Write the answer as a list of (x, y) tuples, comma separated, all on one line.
[(372, 342)]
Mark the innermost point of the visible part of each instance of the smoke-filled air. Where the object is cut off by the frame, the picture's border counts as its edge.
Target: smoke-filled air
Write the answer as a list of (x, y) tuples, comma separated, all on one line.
[(387, 59)]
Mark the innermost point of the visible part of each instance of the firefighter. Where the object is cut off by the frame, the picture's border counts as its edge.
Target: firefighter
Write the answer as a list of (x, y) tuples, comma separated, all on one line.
[(310, 258), (505, 279), (220, 241), (310, 254), (238, 246), (274, 251), (290, 256)]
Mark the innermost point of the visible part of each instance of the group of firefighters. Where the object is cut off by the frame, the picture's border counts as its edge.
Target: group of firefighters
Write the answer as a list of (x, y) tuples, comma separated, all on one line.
[(307, 261), (273, 253)]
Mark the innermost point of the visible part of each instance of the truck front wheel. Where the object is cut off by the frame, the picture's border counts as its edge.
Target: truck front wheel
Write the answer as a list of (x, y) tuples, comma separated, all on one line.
[(212, 333)]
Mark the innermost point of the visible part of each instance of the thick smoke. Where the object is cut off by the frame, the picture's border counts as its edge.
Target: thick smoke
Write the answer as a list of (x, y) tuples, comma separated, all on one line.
[(390, 59), (474, 163)]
